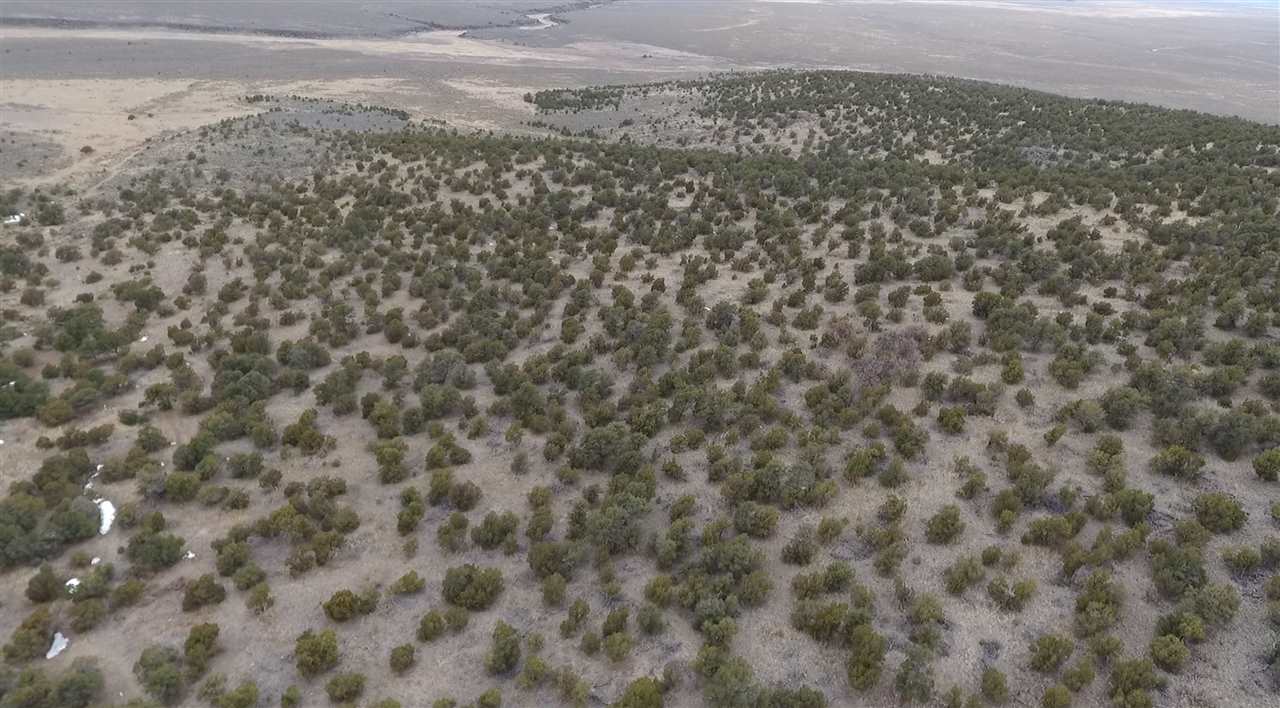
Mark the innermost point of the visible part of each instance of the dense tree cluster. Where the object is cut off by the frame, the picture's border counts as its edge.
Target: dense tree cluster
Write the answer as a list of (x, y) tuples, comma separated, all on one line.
[(847, 350)]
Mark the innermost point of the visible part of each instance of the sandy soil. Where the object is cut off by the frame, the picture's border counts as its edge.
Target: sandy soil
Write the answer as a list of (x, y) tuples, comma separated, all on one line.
[(484, 88)]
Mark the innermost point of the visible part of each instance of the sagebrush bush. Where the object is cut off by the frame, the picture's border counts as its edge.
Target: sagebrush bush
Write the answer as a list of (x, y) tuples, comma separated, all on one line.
[(472, 588), (316, 652), (944, 526), (1218, 512)]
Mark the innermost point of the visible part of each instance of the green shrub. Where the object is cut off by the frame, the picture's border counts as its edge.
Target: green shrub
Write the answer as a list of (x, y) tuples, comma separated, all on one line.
[(496, 530), (1177, 461), (452, 534), (1056, 696), (1267, 465), (154, 551), (159, 670), (345, 688), (316, 652), (951, 419), (1218, 512), (200, 647), (1242, 559), (643, 692), (204, 591), (995, 688), (590, 644), (24, 396), (553, 589), (962, 574), (618, 644), (1050, 651), (504, 653), (1079, 675), (471, 587), (914, 680), (1177, 569), (431, 626), (944, 526), (1134, 505), (1098, 604), (866, 657), (456, 619), (31, 638), (408, 584), (755, 520), (403, 657), (87, 614), (1216, 604), (344, 605), (45, 586), (244, 696), (1131, 681), (801, 548), (1169, 653), (1025, 398)]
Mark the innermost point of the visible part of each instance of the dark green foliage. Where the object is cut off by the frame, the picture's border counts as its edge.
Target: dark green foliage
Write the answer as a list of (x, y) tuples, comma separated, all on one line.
[(504, 653), (204, 591), (1177, 461), (1169, 653), (995, 687), (344, 688), (45, 586), (159, 670), (1132, 680), (471, 587), (344, 605), (1098, 604), (944, 526), (496, 530), (1050, 651), (431, 626), (30, 638), (24, 396), (1267, 465), (866, 657), (155, 550), (408, 584), (403, 657), (200, 647), (79, 686), (1177, 569), (643, 692), (1218, 512), (315, 652), (801, 548), (914, 680)]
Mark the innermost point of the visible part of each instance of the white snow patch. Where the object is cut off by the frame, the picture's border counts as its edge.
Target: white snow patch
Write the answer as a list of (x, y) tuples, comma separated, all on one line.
[(59, 644), (108, 511)]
